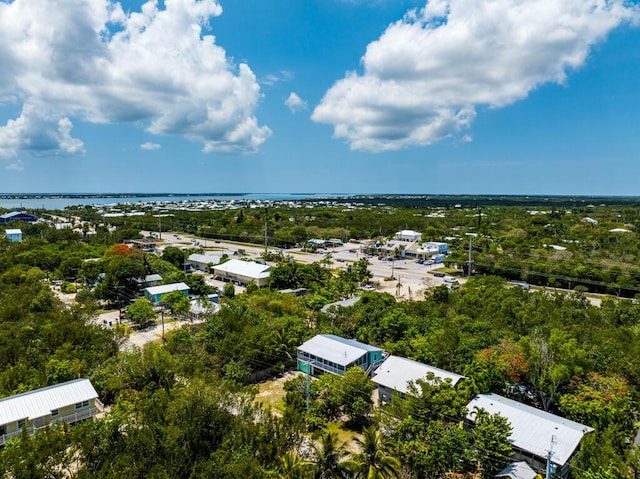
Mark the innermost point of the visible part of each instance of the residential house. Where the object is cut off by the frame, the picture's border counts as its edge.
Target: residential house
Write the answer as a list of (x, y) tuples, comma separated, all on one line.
[(155, 293), (326, 353), (13, 235), (68, 402), (395, 374), (149, 281), (534, 432), (243, 272), (518, 470), (345, 303)]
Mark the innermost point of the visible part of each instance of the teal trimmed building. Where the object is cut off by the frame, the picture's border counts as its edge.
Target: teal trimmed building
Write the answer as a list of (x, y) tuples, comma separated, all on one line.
[(327, 353), (155, 293)]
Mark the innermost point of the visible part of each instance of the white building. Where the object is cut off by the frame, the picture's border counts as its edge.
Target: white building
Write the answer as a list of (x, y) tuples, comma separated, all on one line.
[(534, 432), (432, 248), (13, 235), (395, 374), (201, 262), (243, 272), (408, 235), (68, 402)]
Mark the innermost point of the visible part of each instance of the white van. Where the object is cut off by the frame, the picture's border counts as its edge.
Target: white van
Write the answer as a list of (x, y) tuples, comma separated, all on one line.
[(450, 279)]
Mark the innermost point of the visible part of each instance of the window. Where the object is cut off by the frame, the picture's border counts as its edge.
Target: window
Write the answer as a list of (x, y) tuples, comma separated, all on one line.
[(82, 404), (55, 413), (3, 429), (21, 423)]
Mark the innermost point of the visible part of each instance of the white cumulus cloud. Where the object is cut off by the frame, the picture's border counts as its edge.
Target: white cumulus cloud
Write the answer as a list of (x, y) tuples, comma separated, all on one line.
[(88, 60), (424, 77), (150, 146), (295, 103)]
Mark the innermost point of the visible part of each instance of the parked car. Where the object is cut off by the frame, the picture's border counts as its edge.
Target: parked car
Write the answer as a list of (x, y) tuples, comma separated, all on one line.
[(439, 274), (450, 279), (429, 262)]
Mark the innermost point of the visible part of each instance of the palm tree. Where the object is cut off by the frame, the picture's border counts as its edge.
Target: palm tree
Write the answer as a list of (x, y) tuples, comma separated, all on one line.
[(292, 466), (329, 457), (373, 461)]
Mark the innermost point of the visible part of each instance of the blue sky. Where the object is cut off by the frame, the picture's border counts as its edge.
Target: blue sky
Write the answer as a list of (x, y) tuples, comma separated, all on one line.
[(353, 96)]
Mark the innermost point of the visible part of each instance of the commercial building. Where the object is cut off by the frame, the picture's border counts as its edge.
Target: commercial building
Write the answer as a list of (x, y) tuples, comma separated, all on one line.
[(534, 432), (201, 262), (243, 272), (408, 235), (327, 353), (432, 248), (13, 235), (68, 402), (395, 375), (155, 293), (17, 216)]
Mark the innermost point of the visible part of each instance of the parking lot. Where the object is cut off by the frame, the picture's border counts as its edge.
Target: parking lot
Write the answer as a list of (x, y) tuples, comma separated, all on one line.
[(410, 278)]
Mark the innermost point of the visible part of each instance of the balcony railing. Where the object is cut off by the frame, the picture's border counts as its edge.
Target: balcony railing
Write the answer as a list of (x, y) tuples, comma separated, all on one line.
[(79, 415)]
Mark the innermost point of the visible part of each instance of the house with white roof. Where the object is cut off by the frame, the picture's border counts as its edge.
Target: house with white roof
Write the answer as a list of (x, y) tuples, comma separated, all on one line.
[(201, 262), (327, 353), (149, 281), (13, 235), (155, 293), (518, 470), (243, 272), (395, 374), (534, 432), (68, 402)]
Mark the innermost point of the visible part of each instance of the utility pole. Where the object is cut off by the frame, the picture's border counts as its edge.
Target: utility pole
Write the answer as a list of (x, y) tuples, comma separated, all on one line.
[(469, 266), (160, 227), (549, 454), (266, 214)]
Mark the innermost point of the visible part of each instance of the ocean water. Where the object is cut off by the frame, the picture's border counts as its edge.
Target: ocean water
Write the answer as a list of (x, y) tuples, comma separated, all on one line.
[(60, 202)]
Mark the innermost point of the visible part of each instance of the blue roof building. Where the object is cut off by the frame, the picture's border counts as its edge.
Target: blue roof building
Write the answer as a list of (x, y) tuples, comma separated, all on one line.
[(17, 216)]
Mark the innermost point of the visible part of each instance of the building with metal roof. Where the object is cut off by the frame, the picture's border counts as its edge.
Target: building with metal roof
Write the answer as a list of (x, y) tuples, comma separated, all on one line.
[(243, 272), (17, 216), (534, 432), (345, 303), (327, 353), (155, 293), (408, 235), (69, 402), (395, 375), (201, 262), (14, 235), (518, 470)]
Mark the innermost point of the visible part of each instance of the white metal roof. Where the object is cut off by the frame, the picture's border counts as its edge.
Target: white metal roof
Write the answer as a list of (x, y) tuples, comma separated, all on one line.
[(166, 288), (533, 429), (152, 277), (396, 373), (40, 402), (335, 349), (13, 232), (518, 470), (204, 258), (248, 269), (345, 303)]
